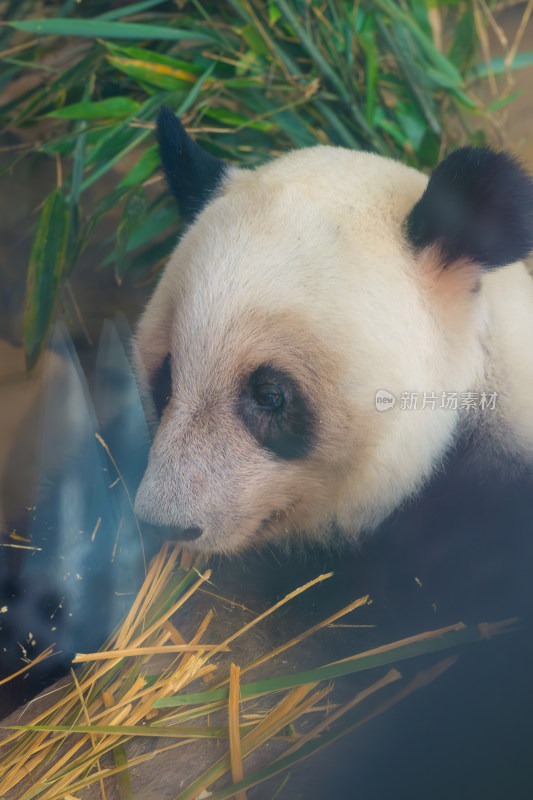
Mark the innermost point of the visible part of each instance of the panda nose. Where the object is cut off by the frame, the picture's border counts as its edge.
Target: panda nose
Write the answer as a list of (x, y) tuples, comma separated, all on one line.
[(173, 533)]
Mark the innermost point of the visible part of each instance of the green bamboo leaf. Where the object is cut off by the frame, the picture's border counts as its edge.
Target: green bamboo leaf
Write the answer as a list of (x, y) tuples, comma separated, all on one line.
[(368, 45), (321, 62), (120, 759), (253, 39), (244, 83), (106, 204), (413, 124), (102, 29), (153, 57), (439, 60), (137, 137), (294, 128), (159, 221), (127, 11), (155, 254), (110, 140), (497, 65), (465, 100), (44, 273), (459, 634), (145, 166), (428, 150), (420, 14), (412, 75), (73, 238), (134, 136), (344, 132), (158, 69), (163, 219), (283, 762), (161, 75), (391, 127), (504, 101), (133, 215), (233, 118), (100, 109), (162, 731), (465, 41), (274, 14), (442, 81)]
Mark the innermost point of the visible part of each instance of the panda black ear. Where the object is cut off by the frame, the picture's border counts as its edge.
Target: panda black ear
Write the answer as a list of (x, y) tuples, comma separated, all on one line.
[(478, 205), (192, 174)]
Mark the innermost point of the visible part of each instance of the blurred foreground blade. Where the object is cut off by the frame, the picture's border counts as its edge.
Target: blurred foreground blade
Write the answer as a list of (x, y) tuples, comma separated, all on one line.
[(124, 429), (82, 575)]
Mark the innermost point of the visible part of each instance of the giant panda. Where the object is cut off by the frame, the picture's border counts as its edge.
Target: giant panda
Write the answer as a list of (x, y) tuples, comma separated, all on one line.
[(339, 347), (327, 329)]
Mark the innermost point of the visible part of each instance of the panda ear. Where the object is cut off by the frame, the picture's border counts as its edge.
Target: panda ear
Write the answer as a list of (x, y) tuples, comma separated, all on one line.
[(478, 206), (192, 174)]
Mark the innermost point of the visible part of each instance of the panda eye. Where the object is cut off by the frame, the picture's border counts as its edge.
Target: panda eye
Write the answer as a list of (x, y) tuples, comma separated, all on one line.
[(275, 410), (268, 396)]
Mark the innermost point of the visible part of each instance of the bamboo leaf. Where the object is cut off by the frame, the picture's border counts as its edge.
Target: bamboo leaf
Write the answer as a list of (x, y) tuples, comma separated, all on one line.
[(439, 60), (433, 642), (153, 57), (161, 75), (497, 65), (106, 204), (163, 731), (127, 11), (464, 42), (103, 29), (44, 273), (253, 38), (232, 118), (145, 166), (504, 101), (132, 217), (112, 107)]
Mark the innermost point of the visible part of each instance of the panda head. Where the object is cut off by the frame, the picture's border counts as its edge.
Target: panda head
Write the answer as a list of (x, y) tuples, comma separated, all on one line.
[(300, 291)]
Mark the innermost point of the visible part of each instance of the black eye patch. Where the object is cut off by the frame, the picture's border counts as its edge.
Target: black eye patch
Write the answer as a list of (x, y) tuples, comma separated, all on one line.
[(276, 413), (161, 385)]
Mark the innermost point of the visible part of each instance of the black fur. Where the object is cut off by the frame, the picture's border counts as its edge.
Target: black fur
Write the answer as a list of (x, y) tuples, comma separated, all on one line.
[(161, 385), (478, 205), (288, 432), (192, 174)]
